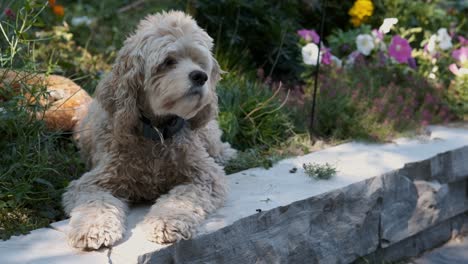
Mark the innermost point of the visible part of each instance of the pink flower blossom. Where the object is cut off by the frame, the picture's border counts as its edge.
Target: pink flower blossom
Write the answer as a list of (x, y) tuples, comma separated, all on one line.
[(458, 71), (399, 49), (463, 41), (309, 35), (460, 54), (9, 13), (453, 68), (377, 34)]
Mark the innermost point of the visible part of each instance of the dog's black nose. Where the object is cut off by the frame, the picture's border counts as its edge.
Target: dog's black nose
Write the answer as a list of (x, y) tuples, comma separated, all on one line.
[(198, 77)]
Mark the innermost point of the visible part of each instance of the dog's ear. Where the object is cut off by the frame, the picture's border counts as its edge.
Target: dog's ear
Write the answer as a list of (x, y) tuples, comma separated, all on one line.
[(215, 74), (118, 92), (210, 111)]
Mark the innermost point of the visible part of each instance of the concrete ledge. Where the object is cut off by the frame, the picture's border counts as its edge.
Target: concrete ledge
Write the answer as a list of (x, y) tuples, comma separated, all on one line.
[(417, 204)]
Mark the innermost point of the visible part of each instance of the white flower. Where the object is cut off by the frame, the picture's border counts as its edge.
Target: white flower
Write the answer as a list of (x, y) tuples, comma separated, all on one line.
[(83, 20), (336, 61), (431, 45), (445, 41), (310, 53), (365, 43), (388, 24)]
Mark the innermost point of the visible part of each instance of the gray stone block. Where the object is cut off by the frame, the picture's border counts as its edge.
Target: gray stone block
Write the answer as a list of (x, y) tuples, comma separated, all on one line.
[(336, 227), (450, 166), (445, 167), (413, 246), (399, 203), (408, 210), (410, 207)]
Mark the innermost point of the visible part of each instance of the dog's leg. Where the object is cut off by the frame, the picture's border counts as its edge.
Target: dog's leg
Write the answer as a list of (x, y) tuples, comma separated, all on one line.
[(97, 217), (176, 215), (210, 136)]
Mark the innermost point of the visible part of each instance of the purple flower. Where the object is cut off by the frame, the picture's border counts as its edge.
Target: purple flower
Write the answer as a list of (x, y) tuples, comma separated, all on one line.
[(352, 57), (309, 35), (382, 57), (326, 57), (412, 63), (345, 48), (399, 49), (429, 99), (426, 115), (9, 13), (460, 54)]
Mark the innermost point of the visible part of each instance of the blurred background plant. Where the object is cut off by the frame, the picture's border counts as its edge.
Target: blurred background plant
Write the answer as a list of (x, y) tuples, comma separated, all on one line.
[(35, 164), (388, 67)]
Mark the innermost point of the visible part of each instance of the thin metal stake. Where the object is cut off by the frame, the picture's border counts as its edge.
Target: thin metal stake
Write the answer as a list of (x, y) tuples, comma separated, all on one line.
[(312, 117)]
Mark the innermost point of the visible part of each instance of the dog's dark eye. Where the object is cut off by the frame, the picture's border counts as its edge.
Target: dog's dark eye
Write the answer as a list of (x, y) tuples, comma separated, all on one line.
[(169, 62)]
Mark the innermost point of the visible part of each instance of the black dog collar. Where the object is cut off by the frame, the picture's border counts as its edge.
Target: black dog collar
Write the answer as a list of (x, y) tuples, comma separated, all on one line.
[(167, 129)]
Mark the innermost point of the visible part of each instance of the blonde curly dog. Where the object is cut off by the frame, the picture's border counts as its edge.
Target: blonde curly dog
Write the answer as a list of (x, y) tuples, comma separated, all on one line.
[(164, 79)]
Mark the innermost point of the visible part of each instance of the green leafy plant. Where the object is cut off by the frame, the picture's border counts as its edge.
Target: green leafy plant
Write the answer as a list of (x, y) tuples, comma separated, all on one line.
[(35, 164), (251, 114), (377, 102), (319, 171), (265, 29)]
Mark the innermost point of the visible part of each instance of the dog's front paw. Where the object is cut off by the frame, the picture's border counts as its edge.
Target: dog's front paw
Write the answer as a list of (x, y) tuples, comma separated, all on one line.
[(163, 231), (227, 153), (93, 233)]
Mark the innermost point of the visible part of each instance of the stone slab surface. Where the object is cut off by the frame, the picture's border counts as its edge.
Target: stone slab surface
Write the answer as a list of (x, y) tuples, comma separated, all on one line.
[(267, 189), (45, 246), (413, 206), (453, 252), (376, 213), (411, 247), (315, 230)]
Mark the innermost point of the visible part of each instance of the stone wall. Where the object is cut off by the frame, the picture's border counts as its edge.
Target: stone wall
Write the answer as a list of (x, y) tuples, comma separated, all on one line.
[(389, 217)]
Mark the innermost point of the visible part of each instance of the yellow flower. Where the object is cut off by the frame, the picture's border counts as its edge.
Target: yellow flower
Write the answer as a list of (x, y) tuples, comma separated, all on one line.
[(361, 11)]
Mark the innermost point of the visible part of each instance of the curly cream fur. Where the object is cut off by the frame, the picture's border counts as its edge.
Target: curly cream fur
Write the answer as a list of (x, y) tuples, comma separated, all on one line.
[(182, 174)]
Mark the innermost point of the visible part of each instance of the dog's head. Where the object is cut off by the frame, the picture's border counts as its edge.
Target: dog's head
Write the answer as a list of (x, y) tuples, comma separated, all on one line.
[(165, 68)]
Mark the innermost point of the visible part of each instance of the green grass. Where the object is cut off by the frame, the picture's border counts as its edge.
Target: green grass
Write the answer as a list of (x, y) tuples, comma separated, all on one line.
[(251, 114), (319, 171), (35, 164)]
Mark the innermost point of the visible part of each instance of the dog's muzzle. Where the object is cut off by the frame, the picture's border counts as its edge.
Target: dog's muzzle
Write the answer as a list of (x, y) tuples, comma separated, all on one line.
[(196, 90)]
